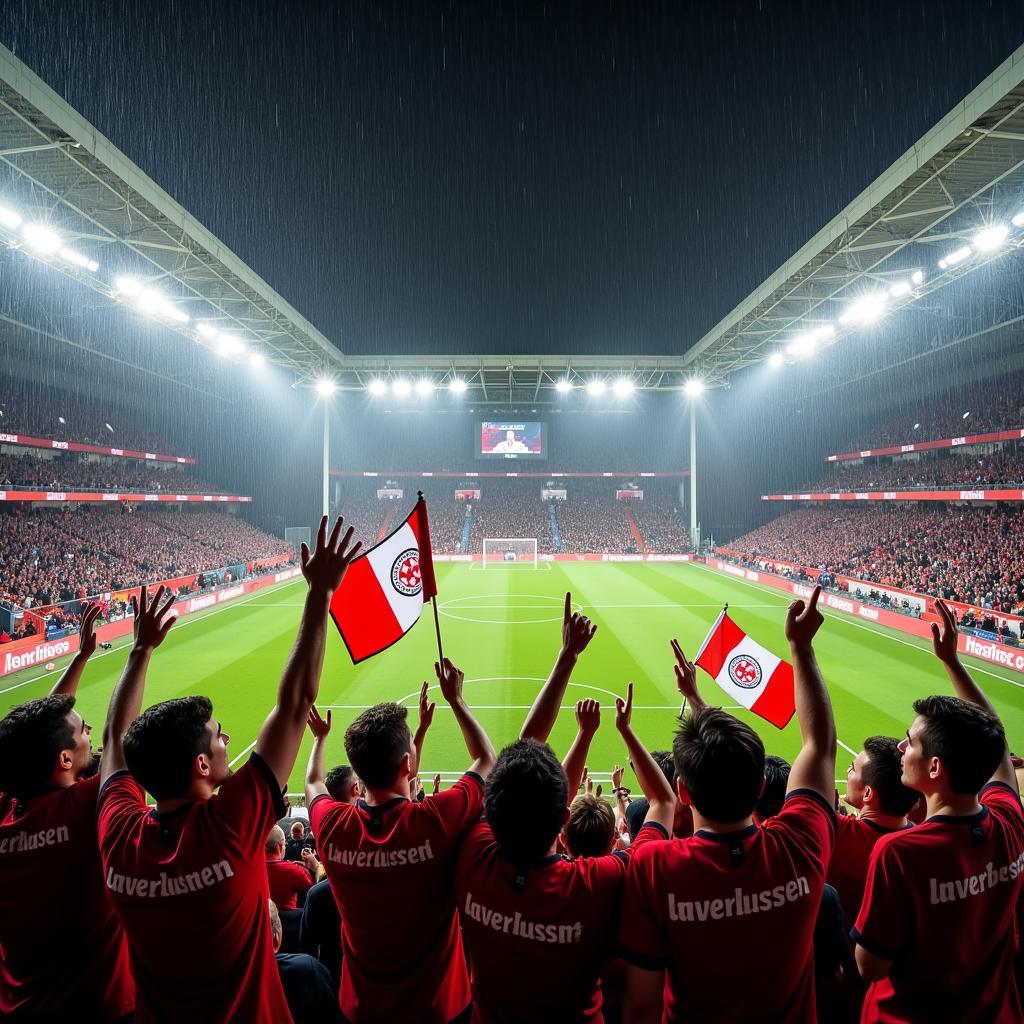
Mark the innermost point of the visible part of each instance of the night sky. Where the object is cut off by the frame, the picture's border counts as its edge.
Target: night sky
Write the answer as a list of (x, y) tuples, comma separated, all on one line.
[(513, 177)]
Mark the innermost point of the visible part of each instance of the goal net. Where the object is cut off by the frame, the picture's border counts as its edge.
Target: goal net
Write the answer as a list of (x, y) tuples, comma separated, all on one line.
[(510, 552)]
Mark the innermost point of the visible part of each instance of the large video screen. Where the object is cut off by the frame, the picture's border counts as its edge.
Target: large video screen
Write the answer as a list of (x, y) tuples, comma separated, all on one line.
[(509, 439)]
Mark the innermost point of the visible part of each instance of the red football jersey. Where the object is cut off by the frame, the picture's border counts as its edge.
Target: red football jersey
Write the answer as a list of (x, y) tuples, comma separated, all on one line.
[(50, 873), (940, 903), (539, 940), (731, 917), (848, 867), (288, 881), (191, 888), (391, 868)]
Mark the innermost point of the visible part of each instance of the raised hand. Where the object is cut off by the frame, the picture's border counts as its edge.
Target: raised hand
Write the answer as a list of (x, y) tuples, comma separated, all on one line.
[(624, 710), (318, 726), (325, 568), (153, 621), (451, 679), (437, 784), (588, 716), (577, 629), (944, 635), (803, 621), (87, 630), (617, 772), (426, 709), (686, 676)]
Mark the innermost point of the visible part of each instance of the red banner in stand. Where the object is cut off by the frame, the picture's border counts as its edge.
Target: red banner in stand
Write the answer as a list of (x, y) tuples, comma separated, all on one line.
[(983, 495), (62, 496), (23, 440), (925, 446)]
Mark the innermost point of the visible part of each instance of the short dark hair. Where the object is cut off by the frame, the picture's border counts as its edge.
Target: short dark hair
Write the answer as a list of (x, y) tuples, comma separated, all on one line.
[(338, 782), (720, 761), (590, 830), (666, 764), (883, 772), (31, 737), (967, 739), (376, 742), (162, 744), (776, 779), (525, 800)]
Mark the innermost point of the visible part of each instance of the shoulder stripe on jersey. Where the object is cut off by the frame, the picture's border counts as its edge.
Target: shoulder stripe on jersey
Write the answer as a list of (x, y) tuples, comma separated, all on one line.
[(642, 960), (814, 795), (623, 855), (114, 775), (317, 799), (657, 825), (998, 784), (476, 778), (276, 792), (873, 947)]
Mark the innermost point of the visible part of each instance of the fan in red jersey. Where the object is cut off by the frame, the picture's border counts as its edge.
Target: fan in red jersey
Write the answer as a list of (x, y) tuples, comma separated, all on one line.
[(936, 934), (188, 878), (50, 865)]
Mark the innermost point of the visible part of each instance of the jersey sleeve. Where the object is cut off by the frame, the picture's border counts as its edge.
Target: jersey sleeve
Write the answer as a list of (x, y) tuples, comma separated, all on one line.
[(883, 924), (249, 803), (642, 938), (120, 803), (459, 807), (318, 811), (650, 832)]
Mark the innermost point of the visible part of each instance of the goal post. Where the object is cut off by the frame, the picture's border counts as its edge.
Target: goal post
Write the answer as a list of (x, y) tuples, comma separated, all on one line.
[(510, 552)]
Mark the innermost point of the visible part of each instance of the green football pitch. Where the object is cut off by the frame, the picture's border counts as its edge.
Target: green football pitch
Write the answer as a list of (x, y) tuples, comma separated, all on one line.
[(502, 627)]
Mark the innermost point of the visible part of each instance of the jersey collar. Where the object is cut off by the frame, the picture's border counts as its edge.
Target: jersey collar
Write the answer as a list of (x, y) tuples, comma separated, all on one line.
[(726, 837)]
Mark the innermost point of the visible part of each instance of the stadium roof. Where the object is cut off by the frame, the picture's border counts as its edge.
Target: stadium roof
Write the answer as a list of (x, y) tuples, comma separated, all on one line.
[(57, 170), (963, 175)]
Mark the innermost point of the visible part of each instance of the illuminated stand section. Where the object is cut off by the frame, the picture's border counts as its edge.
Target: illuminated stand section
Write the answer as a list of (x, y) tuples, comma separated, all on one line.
[(509, 553)]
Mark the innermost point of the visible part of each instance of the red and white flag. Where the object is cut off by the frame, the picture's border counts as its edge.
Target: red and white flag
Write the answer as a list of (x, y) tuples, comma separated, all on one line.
[(384, 589), (753, 676)]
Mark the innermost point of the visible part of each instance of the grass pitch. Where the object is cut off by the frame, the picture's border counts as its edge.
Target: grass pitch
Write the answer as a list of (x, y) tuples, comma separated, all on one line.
[(502, 627)]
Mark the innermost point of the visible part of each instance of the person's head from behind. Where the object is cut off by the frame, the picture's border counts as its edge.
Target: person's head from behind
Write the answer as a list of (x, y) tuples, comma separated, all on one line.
[(298, 830), (276, 928), (590, 830), (275, 843), (874, 779), (525, 801), (952, 747), (719, 765), (773, 796), (636, 814), (343, 784), (177, 749), (379, 747), (43, 743)]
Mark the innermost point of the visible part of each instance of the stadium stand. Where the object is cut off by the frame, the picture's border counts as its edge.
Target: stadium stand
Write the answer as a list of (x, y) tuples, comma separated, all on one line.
[(967, 470), (65, 473)]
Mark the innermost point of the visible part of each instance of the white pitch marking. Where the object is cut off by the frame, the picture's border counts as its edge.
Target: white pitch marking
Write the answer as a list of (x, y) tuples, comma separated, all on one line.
[(241, 754)]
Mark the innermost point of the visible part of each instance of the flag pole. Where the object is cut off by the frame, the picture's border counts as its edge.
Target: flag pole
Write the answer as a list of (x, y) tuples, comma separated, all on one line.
[(433, 604)]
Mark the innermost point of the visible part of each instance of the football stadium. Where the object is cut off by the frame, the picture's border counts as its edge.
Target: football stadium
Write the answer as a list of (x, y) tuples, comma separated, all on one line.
[(447, 514)]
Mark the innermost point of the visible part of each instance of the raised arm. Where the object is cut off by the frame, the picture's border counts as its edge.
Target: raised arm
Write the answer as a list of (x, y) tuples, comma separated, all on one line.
[(153, 621), (279, 738), (964, 686), (315, 771), (577, 632), (588, 720), (651, 778), (426, 718), (477, 742), (72, 675), (815, 765)]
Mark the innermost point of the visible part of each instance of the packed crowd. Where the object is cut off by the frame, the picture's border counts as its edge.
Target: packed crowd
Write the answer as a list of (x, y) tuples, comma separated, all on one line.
[(969, 554), (68, 473), (1001, 469), (661, 526), (594, 525), (746, 891), (50, 555)]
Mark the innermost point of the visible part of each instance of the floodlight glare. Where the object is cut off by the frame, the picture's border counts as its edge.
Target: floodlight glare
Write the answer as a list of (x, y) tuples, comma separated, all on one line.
[(917, 277), (128, 285), (864, 310), (325, 387), (900, 288), (1018, 220), (79, 260), (597, 386), (802, 345), (563, 385), (694, 387), (378, 387), (9, 218), (457, 386), (173, 313), (401, 387), (41, 238), (207, 330), (623, 387), (955, 257), (775, 359), (991, 237), (424, 386), (256, 360)]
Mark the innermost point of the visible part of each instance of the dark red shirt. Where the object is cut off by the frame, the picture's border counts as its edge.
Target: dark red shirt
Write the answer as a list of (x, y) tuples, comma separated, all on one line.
[(538, 940), (731, 917), (288, 881), (391, 868), (51, 878), (848, 867), (191, 888), (940, 903)]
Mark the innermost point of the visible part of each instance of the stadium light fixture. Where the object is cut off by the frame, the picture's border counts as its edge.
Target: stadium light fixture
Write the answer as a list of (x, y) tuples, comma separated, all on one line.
[(623, 387), (401, 388), (694, 387), (563, 385), (41, 238), (79, 260), (955, 257), (325, 387), (1018, 220), (128, 285), (917, 277), (864, 310), (776, 359), (9, 218), (256, 360), (457, 386), (207, 330), (597, 387), (900, 288), (378, 387), (991, 237), (424, 386)]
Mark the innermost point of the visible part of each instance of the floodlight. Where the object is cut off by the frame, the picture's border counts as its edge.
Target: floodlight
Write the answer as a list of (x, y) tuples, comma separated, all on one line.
[(991, 237), (79, 260), (623, 387), (917, 277), (9, 218), (109, 427), (401, 387), (1018, 220), (955, 257), (128, 285), (41, 238), (597, 386), (378, 387), (325, 387), (229, 345), (900, 288), (457, 386), (775, 359), (256, 360), (173, 313), (150, 301), (207, 330), (864, 310), (563, 385), (424, 386), (694, 387)]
